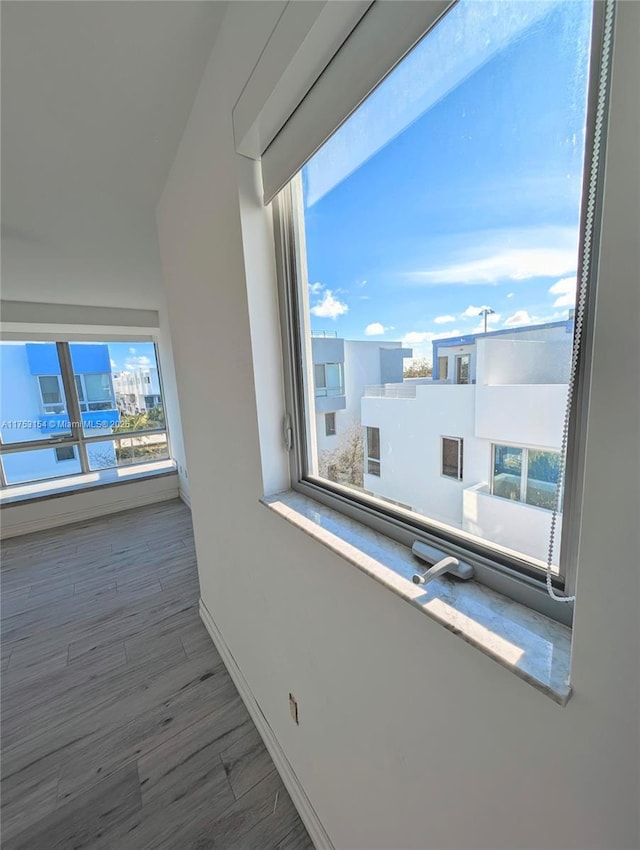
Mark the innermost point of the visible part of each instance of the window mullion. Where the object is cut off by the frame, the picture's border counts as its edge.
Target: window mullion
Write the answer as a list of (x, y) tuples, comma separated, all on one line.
[(73, 405)]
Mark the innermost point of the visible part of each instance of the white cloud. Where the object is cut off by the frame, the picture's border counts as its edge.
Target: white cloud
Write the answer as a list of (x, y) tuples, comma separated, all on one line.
[(443, 320), (375, 329), (565, 288), (114, 365), (132, 351), (134, 363), (471, 312), (329, 307), (515, 264), (520, 317), (421, 341), (492, 319), (510, 294), (315, 288), (362, 283)]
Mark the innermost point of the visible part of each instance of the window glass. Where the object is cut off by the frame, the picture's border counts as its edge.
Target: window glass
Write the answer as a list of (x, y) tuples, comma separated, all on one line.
[(51, 391), (32, 400), (38, 465), (98, 387), (127, 450), (441, 225), (507, 472), (119, 387), (79, 388), (373, 451), (451, 457), (542, 478)]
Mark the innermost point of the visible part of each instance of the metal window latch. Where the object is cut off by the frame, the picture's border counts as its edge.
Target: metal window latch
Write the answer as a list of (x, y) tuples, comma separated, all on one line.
[(287, 429), (441, 565)]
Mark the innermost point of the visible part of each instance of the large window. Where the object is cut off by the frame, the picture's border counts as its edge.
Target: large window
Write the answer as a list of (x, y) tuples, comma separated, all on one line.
[(76, 407), (439, 227), (525, 475), (328, 379)]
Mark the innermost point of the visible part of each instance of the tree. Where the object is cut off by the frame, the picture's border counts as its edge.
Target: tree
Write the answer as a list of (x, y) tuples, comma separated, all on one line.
[(419, 368), (345, 464), (144, 421)]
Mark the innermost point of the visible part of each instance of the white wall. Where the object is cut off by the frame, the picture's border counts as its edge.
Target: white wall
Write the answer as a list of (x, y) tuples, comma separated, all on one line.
[(410, 448), (504, 361), (515, 525), (530, 415), (498, 765)]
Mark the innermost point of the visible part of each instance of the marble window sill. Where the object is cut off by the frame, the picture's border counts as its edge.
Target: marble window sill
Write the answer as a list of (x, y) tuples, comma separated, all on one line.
[(528, 644)]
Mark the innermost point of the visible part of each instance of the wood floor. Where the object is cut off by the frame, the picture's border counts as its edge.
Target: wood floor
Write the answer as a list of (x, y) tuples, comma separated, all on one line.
[(121, 727)]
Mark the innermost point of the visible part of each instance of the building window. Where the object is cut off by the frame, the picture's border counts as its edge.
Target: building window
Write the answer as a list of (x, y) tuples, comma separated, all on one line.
[(95, 392), (328, 379), (330, 424), (373, 451), (452, 448), (525, 475), (462, 368), (51, 393), (71, 391), (419, 226)]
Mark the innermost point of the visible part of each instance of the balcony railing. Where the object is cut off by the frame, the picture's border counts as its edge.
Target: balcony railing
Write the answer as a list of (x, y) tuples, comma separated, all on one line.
[(390, 391)]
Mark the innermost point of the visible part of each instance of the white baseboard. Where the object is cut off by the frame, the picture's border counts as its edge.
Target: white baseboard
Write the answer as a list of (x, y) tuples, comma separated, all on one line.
[(186, 498), (317, 832), (39, 515)]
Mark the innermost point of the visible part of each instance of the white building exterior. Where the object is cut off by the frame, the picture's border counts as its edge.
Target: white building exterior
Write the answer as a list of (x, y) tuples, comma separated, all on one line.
[(513, 397), (354, 365), (137, 391)]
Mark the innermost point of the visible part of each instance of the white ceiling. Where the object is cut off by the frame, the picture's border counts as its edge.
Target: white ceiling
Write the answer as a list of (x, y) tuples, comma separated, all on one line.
[(95, 97)]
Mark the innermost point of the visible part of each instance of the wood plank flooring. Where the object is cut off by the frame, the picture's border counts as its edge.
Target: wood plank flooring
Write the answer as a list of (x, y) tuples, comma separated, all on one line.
[(121, 727)]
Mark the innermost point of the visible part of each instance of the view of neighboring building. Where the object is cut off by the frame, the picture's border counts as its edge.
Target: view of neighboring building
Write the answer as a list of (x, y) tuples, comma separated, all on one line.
[(476, 446), (137, 390), (342, 368)]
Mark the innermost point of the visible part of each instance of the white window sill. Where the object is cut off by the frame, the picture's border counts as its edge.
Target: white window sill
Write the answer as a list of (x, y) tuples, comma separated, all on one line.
[(21, 493), (528, 644)]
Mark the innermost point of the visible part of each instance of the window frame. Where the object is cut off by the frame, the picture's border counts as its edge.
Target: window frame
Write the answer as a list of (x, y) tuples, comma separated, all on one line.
[(329, 391), (72, 405), (460, 466), (330, 431), (494, 566), (62, 404), (372, 459)]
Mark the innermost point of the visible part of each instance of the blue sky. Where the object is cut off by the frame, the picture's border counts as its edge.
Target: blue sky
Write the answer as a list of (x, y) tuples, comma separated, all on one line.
[(457, 184), (128, 356)]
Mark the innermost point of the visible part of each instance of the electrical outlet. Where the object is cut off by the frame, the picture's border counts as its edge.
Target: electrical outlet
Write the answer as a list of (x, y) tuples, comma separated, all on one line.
[(293, 708)]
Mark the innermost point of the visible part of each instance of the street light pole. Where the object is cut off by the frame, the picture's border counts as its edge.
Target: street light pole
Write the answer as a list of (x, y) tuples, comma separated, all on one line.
[(486, 311)]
